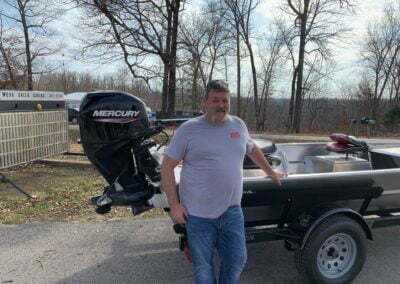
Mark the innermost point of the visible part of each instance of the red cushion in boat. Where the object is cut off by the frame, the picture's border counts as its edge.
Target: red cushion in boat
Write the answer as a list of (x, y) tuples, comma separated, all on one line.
[(340, 138), (336, 147), (347, 139)]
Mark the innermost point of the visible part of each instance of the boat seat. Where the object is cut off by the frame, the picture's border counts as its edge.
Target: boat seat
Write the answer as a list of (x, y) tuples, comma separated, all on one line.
[(346, 144), (268, 148)]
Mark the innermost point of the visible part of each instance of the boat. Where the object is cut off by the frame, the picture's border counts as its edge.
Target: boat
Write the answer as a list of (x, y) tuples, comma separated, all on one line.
[(334, 195)]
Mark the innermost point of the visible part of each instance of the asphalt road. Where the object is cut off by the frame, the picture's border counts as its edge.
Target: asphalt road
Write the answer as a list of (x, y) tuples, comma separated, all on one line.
[(145, 251)]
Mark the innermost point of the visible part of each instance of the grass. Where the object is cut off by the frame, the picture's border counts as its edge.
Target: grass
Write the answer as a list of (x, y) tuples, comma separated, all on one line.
[(73, 135), (62, 194)]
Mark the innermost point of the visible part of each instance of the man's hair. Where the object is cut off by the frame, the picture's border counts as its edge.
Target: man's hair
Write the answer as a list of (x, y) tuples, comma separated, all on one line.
[(217, 86)]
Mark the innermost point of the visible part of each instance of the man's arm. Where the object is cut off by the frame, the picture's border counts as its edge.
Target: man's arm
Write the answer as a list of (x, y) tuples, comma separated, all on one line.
[(177, 211), (258, 158)]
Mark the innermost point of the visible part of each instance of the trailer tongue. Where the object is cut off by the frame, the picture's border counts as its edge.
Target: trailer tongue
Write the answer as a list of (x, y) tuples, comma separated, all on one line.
[(324, 211)]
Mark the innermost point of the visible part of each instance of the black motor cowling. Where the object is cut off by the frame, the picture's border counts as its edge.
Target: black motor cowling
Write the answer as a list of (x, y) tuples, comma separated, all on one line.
[(115, 132)]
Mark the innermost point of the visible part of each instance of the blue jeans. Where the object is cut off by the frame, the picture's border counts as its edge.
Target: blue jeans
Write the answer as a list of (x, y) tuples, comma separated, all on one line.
[(226, 234)]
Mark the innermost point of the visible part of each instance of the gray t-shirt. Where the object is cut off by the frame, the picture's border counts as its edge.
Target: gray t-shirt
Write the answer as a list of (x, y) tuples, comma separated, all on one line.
[(212, 172)]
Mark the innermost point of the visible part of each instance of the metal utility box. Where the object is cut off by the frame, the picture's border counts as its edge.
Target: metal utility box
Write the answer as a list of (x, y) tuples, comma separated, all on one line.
[(324, 164), (33, 125)]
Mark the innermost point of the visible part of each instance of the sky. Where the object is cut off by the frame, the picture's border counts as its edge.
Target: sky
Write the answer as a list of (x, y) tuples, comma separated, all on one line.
[(346, 56)]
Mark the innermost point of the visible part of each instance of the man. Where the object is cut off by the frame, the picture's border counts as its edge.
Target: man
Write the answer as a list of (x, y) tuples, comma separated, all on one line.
[(212, 148)]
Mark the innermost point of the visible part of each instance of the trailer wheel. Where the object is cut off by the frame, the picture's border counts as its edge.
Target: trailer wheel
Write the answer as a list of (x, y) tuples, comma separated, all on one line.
[(334, 253)]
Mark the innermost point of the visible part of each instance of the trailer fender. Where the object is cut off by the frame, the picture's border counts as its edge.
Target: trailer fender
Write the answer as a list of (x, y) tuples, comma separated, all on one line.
[(338, 211)]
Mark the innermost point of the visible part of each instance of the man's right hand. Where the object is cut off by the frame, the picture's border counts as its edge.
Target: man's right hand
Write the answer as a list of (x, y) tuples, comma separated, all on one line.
[(178, 213)]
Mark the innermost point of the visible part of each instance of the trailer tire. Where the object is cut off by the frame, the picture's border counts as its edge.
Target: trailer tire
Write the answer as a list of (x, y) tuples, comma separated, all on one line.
[(335, 252)]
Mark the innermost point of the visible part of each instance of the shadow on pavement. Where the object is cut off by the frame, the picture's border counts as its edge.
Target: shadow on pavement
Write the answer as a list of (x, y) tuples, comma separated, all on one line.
[(149, 263), (164, 263)]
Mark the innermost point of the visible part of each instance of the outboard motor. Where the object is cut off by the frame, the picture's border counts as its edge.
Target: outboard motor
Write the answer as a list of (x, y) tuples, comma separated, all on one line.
[(116, 137)]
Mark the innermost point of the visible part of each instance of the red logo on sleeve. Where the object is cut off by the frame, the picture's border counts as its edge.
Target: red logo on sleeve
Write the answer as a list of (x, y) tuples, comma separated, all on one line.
[(235, 135)]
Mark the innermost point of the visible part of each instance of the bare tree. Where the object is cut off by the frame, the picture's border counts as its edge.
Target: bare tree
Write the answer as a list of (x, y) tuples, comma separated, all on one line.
[(317, 23), (234, 21), (381, 52), (195, 39), (316, 106), (221, 36), (12, 70), (33, 18), (83, 82), (241, 15), (394, 91), (205, 37), (139, 32), (270, 61), (365, 95), (288, 34)]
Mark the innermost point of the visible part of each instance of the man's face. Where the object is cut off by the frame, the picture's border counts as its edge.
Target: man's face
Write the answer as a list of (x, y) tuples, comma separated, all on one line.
[(217, 106)]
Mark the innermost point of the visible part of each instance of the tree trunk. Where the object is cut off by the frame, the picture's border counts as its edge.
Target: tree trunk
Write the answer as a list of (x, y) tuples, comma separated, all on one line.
[(27, 45), (194, 87), (263, 101), (291, 103), (210, 76), (264, 111), (164, 93), (299, 86), (254, 75), (167, 64), (375, 109), (174, 43), (239, 100)]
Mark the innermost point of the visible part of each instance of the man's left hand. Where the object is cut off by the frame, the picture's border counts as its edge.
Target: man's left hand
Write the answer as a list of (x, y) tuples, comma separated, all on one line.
[(276, 176)]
